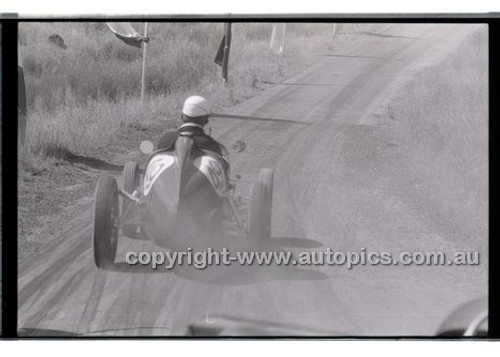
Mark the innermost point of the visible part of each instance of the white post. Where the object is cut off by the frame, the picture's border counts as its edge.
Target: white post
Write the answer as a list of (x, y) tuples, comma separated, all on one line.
[(334, 36), (143, 84), (283, 39), (282, 48)]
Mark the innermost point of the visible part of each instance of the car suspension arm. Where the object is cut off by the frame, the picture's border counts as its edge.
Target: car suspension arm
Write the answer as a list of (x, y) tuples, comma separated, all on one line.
[(128, 195)]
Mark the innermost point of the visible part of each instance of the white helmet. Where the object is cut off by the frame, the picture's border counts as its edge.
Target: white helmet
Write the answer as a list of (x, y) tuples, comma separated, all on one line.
[(196, 106)]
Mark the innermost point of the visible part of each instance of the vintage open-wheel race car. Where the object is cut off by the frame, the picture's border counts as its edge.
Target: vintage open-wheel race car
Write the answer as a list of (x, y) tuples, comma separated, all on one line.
[(183, 191)]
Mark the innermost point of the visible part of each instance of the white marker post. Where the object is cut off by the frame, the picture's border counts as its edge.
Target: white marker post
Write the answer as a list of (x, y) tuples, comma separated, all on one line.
[(334, 36), (144, 53), (282, 48), (278, 42)]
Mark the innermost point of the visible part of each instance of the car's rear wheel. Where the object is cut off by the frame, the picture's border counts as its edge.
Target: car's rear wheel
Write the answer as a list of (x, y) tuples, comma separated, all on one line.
[(106, 215), (256, 215), (260, 210), (266, 178)]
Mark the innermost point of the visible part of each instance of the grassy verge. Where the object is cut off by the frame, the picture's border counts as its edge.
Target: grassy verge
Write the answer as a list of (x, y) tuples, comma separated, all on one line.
[(441, 120)]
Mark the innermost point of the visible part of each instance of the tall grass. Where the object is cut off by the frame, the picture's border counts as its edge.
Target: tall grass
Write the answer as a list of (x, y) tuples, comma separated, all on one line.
[(80, 96)]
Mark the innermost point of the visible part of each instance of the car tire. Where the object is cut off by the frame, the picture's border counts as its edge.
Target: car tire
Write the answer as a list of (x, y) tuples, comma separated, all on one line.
[(258, 217), (106, 215), (131, 176), (266, 178), (131, 180)]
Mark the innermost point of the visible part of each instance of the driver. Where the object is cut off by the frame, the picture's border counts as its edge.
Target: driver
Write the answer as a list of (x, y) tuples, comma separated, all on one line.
[(195, 114)]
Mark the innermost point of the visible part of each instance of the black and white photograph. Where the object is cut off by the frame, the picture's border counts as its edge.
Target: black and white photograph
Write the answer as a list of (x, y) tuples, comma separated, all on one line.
[(251, 177)]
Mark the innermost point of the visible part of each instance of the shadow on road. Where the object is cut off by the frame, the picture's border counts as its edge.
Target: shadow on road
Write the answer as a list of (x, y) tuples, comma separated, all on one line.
[(90, 162), (247, 275), (253, 118), (349, 56), (123, 267), (389, 36), (290, 242), (310, 84)]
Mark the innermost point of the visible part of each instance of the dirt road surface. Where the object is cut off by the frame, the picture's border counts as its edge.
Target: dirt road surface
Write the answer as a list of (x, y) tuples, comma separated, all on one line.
[(340, 182)]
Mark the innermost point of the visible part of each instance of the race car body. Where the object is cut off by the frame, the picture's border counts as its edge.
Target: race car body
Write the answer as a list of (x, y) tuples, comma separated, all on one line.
[(184, 195), (184, 191)]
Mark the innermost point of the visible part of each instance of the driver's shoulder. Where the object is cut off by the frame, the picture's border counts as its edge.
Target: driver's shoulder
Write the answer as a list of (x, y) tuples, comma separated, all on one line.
[(167, 139)]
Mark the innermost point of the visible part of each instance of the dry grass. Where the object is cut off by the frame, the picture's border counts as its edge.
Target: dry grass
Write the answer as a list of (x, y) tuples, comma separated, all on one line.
[(442, 120), (79, 97)]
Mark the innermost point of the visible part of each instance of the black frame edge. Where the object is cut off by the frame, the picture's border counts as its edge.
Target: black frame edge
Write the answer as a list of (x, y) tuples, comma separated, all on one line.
[(9, 180), (494, 245)]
